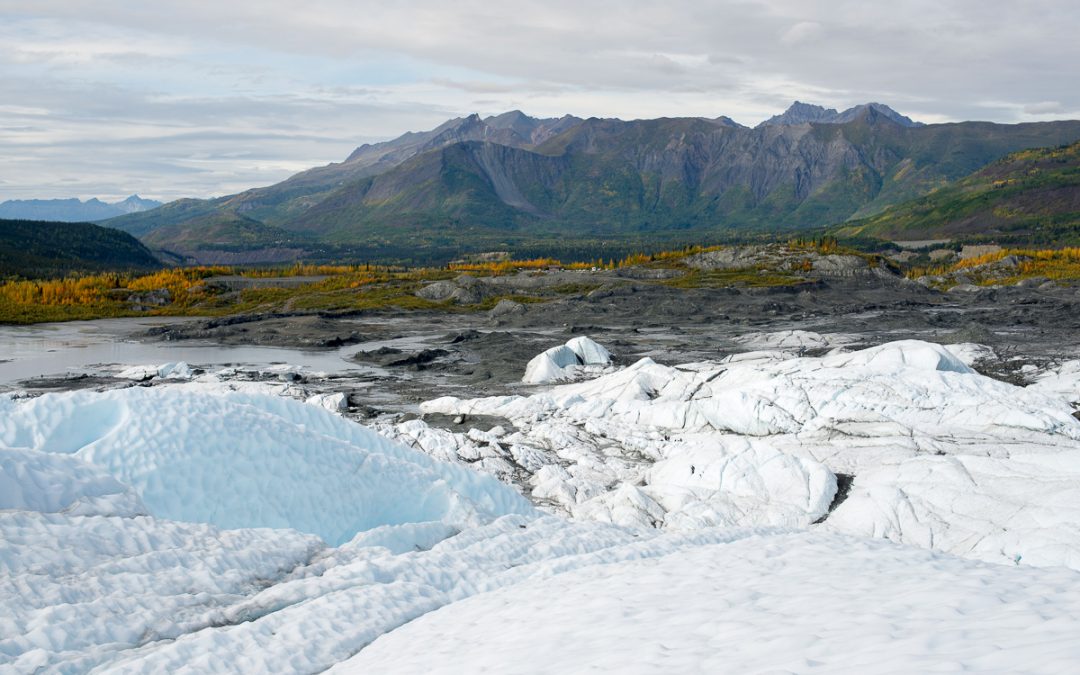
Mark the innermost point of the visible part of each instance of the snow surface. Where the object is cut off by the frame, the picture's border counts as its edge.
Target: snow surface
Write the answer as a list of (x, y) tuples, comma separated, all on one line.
[(78, 589), (787, 603)]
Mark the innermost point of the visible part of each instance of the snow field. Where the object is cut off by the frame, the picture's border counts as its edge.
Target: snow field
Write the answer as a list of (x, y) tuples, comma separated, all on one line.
[(798, 602), (77, 589)]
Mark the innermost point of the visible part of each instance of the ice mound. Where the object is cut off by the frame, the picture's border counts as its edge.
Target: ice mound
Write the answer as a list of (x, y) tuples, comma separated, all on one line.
[(247, 460), (909, 388), (1023, 509), (589, 351), (336, 402), (562, 362), (742, 482), (1062, 381), (907, 354), (779, 604), (970, 353)]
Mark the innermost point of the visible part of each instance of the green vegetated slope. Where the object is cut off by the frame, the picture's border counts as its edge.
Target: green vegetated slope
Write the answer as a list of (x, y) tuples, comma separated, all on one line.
[(220, 229), (1031, 196), (41, 249), (512, 181)]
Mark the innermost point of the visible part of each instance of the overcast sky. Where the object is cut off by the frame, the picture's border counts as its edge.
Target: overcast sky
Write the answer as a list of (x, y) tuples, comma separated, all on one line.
[(172, 99)]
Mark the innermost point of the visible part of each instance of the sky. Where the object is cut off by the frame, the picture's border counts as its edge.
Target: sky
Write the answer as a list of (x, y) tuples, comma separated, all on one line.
[(194, 99)]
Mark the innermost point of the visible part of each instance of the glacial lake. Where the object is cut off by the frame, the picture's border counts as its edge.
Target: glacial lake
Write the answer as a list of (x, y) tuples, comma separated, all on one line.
[(76, 347)]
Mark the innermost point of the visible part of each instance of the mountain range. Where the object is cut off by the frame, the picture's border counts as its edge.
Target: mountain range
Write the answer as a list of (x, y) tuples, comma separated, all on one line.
[(511, 181), (73, 210)]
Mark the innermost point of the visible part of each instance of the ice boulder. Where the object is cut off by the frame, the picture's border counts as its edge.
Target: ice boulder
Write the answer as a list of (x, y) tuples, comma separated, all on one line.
[(169, 371), (237, 460), (560, 363), (336, 402)]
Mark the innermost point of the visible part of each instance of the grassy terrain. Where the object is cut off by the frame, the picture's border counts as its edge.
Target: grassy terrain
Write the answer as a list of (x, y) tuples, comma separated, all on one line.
[(212, 291), (218, 291), (1006, 267), (1031, 195)]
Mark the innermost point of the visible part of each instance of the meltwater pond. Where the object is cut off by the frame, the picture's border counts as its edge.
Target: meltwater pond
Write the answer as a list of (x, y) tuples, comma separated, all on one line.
[(58, 349)]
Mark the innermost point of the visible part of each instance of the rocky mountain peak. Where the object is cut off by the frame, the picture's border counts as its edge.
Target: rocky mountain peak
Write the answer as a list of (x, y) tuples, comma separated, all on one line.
[(803, 113)]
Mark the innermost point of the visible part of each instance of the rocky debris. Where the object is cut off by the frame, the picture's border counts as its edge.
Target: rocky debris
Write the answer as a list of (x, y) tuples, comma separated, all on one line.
[(782, 258), (736, 257), (976, 250), (838, 265), (279, 330), (147, 300), (463, 290), (437, 291), (506, 308), (395, 358)]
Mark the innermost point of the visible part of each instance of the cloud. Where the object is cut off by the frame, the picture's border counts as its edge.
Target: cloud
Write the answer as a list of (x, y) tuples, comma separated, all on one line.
[(1044, 108), (804, 31), (178, 98)]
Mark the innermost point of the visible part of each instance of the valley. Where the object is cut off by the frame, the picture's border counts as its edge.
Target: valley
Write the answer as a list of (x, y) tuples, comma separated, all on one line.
[(559, 378)]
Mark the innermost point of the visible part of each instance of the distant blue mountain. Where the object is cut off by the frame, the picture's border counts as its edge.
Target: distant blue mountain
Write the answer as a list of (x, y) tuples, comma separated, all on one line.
[(73, 210)]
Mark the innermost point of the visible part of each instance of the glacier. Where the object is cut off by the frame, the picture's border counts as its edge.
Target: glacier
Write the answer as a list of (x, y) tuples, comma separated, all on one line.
[(881, 510)]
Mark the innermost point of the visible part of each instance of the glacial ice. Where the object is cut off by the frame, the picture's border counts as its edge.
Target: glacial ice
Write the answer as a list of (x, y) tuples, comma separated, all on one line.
[(235, 459), (759, 438), (785, 603), (565, 361), (171, 371), (205, 527)]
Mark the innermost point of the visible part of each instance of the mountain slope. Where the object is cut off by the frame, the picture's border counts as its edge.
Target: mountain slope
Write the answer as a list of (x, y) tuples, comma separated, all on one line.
[(49, 249), (614, 178), (1033, 194), (278, 205), (73, 210)]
